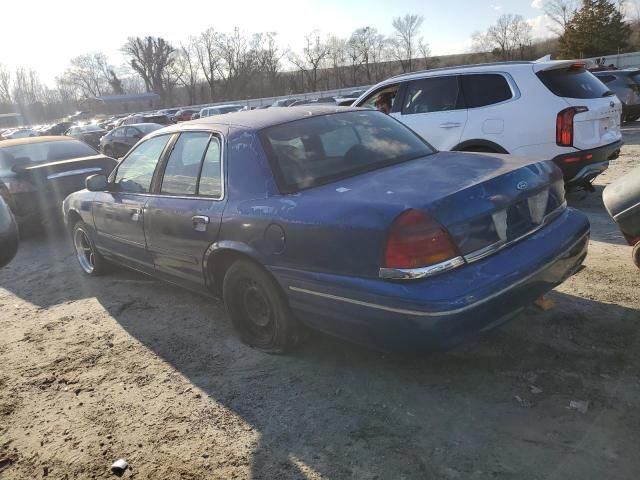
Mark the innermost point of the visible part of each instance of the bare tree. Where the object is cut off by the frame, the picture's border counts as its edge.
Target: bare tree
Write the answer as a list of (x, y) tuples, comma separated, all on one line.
[(5, 85), (560, 12), (313, 54), (268, 59), (151, 58), (406, 38), (238, 61), (379, 57), (507, 38), (209, 58), (90, 74), (187, 69)]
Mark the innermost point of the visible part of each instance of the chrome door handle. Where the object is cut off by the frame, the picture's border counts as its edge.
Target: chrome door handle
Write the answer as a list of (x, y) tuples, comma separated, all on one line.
[(200, 222), (135, 214), (449, 125)]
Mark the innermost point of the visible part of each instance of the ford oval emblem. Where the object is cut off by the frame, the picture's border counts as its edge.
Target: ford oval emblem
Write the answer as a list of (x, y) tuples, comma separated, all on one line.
[(522, 185)]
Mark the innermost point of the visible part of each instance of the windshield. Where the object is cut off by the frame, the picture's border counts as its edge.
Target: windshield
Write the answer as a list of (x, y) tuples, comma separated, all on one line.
[(17, 155), (321, 149)]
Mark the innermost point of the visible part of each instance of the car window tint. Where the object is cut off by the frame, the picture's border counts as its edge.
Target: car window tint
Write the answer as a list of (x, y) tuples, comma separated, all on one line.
[(485, 89), (573, 83), (211, 176), (183, 167), (119, 132), (136, 171), (43, 151), (299, 159), (606, 78), (437, 94)]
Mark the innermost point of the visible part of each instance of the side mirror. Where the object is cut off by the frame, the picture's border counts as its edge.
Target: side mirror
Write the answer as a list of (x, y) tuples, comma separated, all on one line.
[(96, 183)]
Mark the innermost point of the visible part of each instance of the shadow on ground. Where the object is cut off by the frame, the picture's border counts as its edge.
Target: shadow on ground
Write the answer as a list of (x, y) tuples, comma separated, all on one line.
[(347, 412)]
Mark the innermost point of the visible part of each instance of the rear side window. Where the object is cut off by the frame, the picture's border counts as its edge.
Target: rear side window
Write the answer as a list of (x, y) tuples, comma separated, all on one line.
[(485, 89), (436, 94), (573, 83), (183, 167)]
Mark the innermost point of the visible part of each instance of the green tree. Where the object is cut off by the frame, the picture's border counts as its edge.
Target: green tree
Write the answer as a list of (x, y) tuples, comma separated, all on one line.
[(597, 28)]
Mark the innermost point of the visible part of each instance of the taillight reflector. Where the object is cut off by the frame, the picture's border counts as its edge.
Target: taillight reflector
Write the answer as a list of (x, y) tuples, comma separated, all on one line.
[(416, 240), (564, 125)]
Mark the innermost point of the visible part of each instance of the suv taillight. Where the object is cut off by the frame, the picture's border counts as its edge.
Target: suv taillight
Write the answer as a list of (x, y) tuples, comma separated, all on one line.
[(564, 125), (416, 240)]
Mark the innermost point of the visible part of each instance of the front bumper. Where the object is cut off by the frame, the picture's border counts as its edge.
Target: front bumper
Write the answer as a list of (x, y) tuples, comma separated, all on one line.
[(584, 165), (446, 310)]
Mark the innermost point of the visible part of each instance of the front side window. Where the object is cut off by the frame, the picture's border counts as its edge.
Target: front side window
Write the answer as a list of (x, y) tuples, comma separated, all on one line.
[(383, 95), (318, 150), (135, 173), (435, 94), (183, 167), (485, 89)]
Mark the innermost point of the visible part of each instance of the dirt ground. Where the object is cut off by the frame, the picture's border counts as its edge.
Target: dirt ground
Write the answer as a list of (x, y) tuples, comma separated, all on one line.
[(93, 370)]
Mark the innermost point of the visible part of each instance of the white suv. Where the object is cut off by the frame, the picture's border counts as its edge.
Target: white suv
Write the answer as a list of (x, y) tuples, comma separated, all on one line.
[(543, 110)]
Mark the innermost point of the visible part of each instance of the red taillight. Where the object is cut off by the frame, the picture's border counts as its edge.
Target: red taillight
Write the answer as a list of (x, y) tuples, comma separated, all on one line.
[(577, 66), (564, 125), (417, 240)]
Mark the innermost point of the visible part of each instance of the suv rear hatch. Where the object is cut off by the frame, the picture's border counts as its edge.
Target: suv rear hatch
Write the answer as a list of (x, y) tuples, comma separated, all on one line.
[(599, 125)]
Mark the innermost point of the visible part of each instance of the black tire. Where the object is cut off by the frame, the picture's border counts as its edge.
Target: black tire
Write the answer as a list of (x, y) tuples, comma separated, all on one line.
[(91, 262), (258, 309), (636, 254)]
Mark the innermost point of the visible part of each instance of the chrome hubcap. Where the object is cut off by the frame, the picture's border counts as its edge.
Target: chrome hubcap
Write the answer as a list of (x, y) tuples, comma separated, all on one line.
[(84, 252)]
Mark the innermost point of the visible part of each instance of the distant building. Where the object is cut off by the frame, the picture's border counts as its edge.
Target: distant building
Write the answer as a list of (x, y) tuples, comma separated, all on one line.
[(127, 103), (9, 120)]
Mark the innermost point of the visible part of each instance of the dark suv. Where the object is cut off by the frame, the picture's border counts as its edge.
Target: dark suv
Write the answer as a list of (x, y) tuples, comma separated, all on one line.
[(625, 84)]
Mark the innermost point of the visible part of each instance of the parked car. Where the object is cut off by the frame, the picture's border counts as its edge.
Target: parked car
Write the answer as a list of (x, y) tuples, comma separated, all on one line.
[(338, 218), (9, 237), (19, 133), (119, 141), (58, 128), (542, 110), (622, 200), (220, 109), (283, 102), (147, 118), (625, 84), (195, 116), (89, 134), (40, 172), (185, 114), (169, 112), (313, 101)]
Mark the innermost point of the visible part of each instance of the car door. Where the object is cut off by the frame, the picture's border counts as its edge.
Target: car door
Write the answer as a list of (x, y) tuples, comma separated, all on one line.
[(183, 216), (131, 136), (434, 108), (119, 212), (118, 142)]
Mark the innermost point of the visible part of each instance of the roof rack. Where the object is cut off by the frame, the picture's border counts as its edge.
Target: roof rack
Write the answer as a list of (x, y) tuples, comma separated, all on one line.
[(455, 67)]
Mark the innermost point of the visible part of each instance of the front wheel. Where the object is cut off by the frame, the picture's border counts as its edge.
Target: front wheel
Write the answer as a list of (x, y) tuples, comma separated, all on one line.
[(636, 254), (91, 262), (258, 309)]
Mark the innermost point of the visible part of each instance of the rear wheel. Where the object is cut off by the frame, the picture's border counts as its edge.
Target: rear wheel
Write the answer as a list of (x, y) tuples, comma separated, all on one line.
[(258, 309), (91, 262), (636, 254)]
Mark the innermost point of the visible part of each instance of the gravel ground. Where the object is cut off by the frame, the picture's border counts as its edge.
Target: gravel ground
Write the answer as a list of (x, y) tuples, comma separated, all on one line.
[(125, 366)]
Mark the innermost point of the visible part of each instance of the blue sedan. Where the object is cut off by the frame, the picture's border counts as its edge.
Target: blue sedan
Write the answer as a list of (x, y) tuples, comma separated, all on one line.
[(339, 219)]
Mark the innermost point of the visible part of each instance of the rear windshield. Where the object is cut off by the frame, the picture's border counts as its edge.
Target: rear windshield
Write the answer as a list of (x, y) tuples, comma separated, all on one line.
[(573, 83), (18, 155), (148, 127), (322, 149)]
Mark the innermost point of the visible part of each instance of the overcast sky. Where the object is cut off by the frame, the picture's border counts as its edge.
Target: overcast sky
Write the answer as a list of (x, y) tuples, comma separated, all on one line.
[(45, 34)]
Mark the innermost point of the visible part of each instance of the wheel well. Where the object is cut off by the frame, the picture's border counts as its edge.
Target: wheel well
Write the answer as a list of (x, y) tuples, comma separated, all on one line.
[(479, 145), (73, 217), (217, 265)]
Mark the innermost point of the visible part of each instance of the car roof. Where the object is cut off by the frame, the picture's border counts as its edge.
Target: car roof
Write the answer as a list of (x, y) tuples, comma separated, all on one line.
[(257, 119), (28, 140)]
